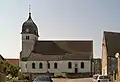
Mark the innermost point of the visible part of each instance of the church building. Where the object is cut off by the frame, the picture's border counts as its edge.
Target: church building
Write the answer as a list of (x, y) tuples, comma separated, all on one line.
[(53, 56)]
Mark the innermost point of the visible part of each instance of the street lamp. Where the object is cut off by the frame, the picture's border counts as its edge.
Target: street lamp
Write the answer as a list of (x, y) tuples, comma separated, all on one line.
[(118, 61), (117, 55)]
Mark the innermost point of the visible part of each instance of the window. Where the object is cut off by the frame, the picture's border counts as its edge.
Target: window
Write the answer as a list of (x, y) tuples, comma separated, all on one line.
[(82, 65), (40, 65), (75, 65), (48, 64), (69, 65), (26, 65), (33, 65), (27, 37), (55, 65)]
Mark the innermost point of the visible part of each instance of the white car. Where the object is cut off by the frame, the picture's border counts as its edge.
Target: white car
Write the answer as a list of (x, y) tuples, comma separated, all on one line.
[(100, 78)]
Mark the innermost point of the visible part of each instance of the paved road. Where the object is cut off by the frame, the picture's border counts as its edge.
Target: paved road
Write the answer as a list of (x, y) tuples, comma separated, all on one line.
[(73, 80)]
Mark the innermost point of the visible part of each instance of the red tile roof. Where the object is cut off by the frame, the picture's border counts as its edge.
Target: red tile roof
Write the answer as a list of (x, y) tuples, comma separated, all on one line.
[(13, 61)]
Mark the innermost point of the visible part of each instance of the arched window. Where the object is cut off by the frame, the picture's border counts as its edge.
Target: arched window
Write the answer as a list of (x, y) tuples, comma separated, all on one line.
[(69, 65), (48, 64), (40, 65), (55, 65), (33, 65), (27, 37), (82, 65)]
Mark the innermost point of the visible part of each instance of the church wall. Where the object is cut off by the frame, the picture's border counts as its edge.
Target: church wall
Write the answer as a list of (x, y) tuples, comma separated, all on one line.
[(23, 66), (75, 64), (62, 66)]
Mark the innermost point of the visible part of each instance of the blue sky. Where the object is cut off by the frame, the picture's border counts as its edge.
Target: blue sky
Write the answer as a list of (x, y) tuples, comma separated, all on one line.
[(57, 19)]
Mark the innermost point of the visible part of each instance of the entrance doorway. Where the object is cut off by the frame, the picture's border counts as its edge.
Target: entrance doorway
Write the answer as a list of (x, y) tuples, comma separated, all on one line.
[(76, 70)]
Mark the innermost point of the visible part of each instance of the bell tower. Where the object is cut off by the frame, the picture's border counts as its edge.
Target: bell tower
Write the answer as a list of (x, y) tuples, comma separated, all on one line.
[(29, 36)]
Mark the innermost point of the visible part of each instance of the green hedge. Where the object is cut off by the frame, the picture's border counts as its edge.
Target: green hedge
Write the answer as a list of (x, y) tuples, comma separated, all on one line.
[(59, 74)]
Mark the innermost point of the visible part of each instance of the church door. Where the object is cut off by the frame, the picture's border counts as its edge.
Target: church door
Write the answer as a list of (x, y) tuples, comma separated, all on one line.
[(76, 70)]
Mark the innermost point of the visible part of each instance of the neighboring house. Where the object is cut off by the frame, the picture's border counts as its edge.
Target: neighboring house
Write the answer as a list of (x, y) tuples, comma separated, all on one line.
[(110, 46), (13, 61), (97, 66), (53, 56), (2, 75), (1, 58)]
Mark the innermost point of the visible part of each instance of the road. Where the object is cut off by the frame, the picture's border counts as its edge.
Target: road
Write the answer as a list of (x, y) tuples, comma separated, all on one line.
[(72, 80)]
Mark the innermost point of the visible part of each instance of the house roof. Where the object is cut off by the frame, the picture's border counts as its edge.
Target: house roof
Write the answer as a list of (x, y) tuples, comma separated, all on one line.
[(2, 57), (62, 47), (48, 48), (75, 56), (54, 50), (112, 40), (13, 61)]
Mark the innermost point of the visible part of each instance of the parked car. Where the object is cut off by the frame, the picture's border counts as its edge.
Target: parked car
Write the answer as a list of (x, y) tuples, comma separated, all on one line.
[(43, 79), (100, 78), (95, 77)]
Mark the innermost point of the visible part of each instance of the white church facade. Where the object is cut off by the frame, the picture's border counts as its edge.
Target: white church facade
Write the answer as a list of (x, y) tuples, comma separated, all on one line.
[(53, 56)]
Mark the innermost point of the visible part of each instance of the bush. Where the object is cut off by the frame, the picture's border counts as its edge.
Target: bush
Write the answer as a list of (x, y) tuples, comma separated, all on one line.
[(59, 75)]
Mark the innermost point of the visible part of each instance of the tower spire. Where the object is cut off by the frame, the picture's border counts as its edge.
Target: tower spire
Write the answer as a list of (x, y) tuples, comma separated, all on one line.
[(29, 12), (29, 8)]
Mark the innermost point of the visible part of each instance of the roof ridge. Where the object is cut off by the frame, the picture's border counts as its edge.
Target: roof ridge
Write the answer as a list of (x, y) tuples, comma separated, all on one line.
[(74, 40), (112, 32)]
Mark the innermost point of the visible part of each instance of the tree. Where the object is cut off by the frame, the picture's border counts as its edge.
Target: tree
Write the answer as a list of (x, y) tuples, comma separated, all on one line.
[(7, 68), (14, 71)]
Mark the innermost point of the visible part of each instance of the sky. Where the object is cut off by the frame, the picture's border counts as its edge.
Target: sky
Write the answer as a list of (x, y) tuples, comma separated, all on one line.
[(58, 19)]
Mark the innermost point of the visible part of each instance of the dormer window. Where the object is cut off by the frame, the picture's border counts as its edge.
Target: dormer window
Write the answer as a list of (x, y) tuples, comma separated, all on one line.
[(27, 37)]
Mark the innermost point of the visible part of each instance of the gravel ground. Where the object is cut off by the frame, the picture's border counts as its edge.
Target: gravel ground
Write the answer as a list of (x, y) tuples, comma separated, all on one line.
[(72, 80)]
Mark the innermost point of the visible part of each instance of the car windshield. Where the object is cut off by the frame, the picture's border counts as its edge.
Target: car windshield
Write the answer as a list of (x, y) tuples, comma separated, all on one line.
[(43, 78), (103, 77)]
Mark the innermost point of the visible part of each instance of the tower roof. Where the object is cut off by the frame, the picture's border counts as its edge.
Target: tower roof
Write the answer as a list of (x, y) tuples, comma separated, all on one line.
[(29, 27)]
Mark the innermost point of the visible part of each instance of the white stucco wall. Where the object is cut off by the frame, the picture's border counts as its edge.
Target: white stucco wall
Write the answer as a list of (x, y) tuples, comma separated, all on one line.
[(23, 66), (62, 66), (104, 58)]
